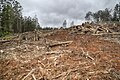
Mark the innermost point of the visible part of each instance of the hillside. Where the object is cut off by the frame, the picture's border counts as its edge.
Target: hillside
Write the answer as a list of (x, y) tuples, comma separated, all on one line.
[(82, 52)]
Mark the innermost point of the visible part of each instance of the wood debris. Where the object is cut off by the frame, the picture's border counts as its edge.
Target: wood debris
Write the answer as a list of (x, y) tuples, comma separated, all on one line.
[(60, 43), (77, 53), (29, 74)]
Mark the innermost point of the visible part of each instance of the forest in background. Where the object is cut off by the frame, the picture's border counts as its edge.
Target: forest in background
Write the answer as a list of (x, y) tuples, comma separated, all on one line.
[(12, 20), (112, 15)]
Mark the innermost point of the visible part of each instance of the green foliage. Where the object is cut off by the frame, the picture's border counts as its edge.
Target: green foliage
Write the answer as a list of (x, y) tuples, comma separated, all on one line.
[(12, 21), (116, 13), (7, 18), (4, 33), (105, 15), (101, 15), (29, 24), (88, 16), (48, 28)]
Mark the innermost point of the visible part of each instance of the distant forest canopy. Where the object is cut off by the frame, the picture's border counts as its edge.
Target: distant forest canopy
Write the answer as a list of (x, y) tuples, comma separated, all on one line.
[(12, 20), (105, 15)]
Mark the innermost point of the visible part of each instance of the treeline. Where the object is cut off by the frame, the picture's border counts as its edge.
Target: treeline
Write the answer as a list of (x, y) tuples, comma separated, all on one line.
[(12, 20), (104, 15)]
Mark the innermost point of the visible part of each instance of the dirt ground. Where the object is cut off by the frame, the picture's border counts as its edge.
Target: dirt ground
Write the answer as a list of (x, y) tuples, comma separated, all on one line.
[(76, 57)]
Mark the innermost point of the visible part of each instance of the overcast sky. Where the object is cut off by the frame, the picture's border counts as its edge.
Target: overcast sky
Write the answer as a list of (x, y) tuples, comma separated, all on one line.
[(54, 12)]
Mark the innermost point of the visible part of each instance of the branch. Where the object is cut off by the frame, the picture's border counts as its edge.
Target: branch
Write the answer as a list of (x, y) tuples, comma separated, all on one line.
[(34, 77), (86, 54), (29, 74)]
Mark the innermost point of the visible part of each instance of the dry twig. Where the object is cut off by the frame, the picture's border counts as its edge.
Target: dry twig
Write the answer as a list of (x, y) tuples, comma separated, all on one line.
[(34, 77), (29, 74), (86, 54)]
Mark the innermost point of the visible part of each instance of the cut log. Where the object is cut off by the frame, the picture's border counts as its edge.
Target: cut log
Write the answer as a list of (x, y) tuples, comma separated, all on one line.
[(4, 41), (54, 52), (59, 52), (60, 43)]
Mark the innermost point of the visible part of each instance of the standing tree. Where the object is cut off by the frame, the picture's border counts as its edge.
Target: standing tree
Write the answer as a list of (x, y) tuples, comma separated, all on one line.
[(9, 11), (114, 16), (106, 15), (64, 23), (7, 18), (72, 23), (88, 16), (96, 17), (116, 13), (36, 23), (119, 11), (99, 16), (18, 16), (11, 19)]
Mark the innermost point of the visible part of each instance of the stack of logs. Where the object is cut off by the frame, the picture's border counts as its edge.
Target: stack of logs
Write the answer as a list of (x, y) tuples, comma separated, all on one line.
[(92, 28), (111, 30)]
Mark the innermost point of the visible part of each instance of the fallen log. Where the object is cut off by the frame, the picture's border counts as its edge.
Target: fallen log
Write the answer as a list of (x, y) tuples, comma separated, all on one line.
[(58, 52), (60, 43), (54, 52), (4, 41)]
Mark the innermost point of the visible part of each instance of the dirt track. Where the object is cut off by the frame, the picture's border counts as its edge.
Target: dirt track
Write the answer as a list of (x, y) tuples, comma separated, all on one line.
[(87, 57)]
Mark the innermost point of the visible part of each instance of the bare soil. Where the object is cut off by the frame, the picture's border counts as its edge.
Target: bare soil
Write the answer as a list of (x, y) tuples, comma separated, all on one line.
[(81, 57)]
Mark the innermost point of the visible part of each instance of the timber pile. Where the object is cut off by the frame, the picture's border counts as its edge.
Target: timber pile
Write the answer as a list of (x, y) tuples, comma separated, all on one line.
[(108, 31), (91, 28)]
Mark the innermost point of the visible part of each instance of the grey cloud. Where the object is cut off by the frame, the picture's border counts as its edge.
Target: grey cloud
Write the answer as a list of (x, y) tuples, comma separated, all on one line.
[(53, 12)]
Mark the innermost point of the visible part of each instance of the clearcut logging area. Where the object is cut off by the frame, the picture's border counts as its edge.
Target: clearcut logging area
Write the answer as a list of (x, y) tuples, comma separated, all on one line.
[(82, 52)]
